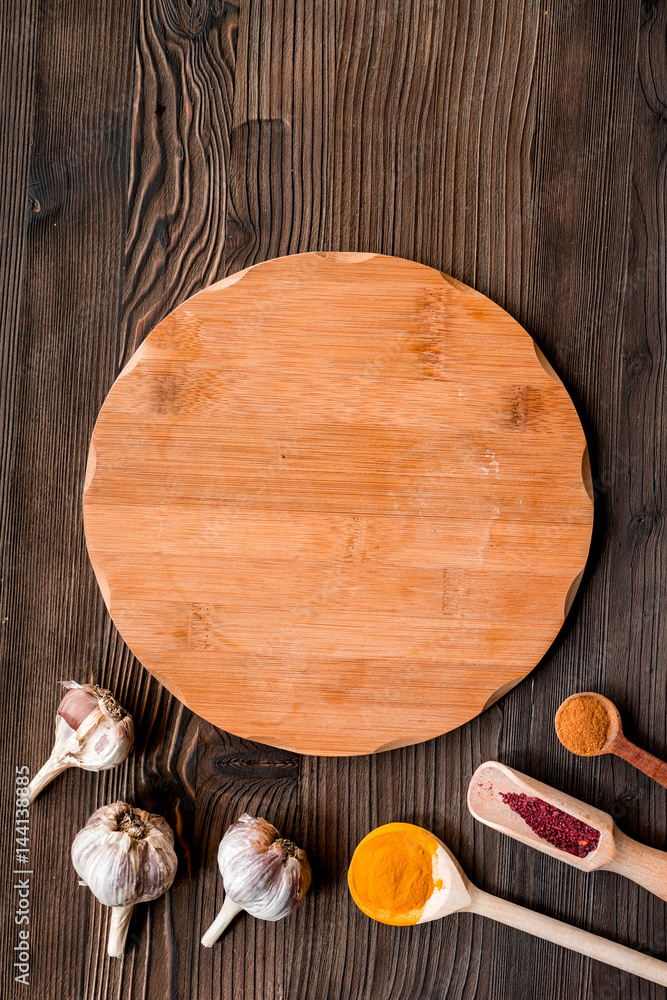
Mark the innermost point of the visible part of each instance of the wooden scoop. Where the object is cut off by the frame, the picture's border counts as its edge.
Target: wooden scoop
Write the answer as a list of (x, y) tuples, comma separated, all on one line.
[(615, 851), (454, 893), (618, 744)]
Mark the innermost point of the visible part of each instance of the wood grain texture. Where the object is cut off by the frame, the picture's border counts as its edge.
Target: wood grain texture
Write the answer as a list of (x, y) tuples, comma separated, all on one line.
[(181, 123), (337, 523), (521, 148)]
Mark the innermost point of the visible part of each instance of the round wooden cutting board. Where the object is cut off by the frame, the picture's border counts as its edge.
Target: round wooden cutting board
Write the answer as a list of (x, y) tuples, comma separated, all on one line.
[(336, 503)]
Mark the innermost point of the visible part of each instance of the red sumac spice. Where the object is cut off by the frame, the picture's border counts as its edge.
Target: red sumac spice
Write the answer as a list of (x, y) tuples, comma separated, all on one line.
[(553, 825)]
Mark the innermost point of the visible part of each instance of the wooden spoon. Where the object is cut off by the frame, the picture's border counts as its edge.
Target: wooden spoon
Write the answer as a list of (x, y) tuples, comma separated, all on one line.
[(615, 852), (618, 744), (455, 893)]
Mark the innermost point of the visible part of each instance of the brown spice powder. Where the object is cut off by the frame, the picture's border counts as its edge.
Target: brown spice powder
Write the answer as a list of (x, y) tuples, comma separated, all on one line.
[(583, 725)]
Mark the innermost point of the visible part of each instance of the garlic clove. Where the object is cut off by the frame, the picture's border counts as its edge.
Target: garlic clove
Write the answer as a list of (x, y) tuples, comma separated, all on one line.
[(76, 705), (125, 856), (93, 732), (263, 873)]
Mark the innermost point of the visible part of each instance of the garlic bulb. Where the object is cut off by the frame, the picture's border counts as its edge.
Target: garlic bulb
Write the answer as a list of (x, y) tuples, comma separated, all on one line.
[(262, 873), (92, 732), (126, 856)]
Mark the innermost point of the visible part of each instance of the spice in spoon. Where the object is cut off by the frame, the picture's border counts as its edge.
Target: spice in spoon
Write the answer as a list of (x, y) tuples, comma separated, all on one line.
[(583, 725), (558, 828), (391, 876)]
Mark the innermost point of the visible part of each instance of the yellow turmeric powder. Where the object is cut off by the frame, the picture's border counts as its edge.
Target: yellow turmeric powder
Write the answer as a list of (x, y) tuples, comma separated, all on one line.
[(391, 873)]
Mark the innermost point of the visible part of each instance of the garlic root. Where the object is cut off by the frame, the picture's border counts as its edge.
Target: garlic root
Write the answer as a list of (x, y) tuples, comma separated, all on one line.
[(120, 924), (229, 910), (54, 766)]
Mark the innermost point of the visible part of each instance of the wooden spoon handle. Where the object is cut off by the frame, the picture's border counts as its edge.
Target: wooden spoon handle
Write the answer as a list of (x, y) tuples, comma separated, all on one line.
[(641, 759), (645, 865), (583, 942)]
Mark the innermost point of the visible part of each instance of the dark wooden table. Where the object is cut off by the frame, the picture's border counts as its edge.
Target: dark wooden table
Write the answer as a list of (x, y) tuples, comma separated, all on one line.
[(149, 147)]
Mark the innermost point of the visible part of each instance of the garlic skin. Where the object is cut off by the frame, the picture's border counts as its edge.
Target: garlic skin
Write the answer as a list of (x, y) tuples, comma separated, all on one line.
[(93, 732), (267, 874), (125, 856), (263, 873)]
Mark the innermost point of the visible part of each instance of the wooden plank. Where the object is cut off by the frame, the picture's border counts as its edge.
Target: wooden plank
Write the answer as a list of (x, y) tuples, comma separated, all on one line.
[(181, 118), (71, 97), (174, 225), (281, 174), (17, 41)]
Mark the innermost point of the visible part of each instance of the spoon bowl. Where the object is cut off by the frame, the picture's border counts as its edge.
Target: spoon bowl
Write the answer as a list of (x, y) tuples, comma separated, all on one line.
[(449, 892), (455, 892), (615, 725), (491, 781)]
